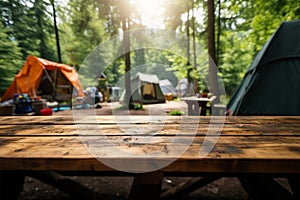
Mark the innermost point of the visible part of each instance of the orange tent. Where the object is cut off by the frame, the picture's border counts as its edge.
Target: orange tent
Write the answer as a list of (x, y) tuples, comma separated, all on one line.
[(29, 79)]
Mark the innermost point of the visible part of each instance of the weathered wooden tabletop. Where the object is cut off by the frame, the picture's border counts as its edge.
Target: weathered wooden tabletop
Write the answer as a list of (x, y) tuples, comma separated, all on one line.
[(240, 145)]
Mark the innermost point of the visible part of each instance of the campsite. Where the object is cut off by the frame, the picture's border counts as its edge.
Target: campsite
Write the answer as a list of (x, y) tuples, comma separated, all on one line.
[(160, 99)]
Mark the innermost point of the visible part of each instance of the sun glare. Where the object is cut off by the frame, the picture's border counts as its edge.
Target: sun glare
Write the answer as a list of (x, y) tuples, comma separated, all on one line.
[(151, 12)]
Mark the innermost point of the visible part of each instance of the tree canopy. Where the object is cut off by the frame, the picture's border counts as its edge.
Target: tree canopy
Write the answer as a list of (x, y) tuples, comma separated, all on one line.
[(240, 28)]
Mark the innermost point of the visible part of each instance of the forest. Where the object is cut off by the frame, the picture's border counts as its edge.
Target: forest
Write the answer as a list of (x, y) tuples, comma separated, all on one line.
[(231, 31)]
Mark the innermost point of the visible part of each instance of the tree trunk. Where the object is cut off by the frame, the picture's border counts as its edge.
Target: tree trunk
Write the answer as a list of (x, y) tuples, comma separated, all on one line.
[(188, 54), (41, 33), (126, 44), (219, 32), (213, 84), (56, 33), (196, 86)]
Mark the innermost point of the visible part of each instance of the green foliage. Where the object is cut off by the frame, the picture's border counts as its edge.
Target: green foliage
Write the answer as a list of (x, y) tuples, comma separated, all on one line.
[(176, 113), (176, 100), (10, 59), (27, 28), (82, 30), (138, 106), (245, 28), (268, 15), (30, 25), (234, 61), (44, 30)]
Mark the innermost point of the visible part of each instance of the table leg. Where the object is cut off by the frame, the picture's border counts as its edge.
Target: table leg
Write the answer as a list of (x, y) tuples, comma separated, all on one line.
[(146, 186), (294, 181), (65, 184), (203, 107), (11, 185), (188, 186), (264, 187), (193, 108)]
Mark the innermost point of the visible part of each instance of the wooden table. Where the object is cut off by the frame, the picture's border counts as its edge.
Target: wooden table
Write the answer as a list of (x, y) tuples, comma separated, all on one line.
[(243, 145), (197, 105)]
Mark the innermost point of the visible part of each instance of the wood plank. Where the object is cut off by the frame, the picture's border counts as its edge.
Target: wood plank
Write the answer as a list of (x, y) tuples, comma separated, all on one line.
[(253, 142), (278, 147), (143, 129), (242, 120), (246, 145), (179, 166)]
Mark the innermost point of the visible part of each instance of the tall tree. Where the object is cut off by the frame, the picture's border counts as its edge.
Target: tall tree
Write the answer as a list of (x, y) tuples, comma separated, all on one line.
[(10, 59), (219, 30), (126, 42), (30, 25), (20, 26), (175, 20), (82, 29), (56, 32), (196, 86), (188, 50), (211, 47), (39, 15)]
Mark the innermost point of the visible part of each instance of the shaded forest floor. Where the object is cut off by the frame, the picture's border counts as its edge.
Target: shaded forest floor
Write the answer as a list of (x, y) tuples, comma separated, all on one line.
[(111, 188)]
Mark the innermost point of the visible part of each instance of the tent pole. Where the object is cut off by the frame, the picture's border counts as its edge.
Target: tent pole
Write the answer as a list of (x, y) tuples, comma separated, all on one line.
[(49, 78), (55, 81)]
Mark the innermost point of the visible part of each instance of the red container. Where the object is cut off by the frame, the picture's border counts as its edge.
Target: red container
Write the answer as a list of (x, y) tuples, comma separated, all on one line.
[(46, 112)]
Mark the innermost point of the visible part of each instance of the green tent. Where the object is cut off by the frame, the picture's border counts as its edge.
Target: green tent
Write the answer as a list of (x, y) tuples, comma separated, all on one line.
[(145, 89), (271, 85)]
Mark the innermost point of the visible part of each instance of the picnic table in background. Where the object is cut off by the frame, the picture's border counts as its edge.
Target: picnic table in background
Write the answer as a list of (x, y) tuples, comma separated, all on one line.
[(49, 147), (198, 105)]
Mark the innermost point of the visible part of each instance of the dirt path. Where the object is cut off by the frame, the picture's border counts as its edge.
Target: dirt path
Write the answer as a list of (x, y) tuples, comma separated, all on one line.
[(151, 109)]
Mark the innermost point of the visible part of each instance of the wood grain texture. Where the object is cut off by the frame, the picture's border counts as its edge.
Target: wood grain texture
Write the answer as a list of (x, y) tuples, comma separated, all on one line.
[(243, 144)]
